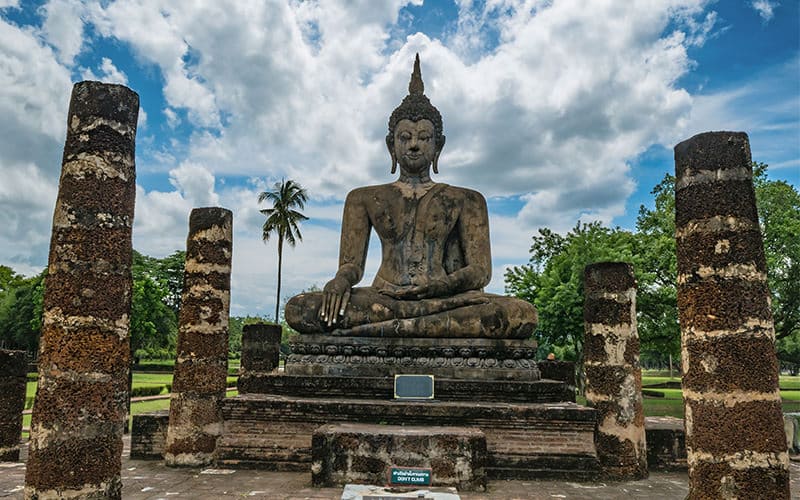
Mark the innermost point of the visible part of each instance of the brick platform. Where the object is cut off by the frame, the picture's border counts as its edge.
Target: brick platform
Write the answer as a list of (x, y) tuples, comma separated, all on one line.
[(533, 440), (540, 391), (365, 453)]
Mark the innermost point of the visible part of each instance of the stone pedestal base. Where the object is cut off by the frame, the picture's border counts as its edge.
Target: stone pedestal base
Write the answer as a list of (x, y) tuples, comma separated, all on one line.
[(523, 440), (365, 453)]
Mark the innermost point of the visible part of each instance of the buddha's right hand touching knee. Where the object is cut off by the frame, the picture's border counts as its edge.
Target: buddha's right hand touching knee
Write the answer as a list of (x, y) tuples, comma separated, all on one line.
[(335, 297)]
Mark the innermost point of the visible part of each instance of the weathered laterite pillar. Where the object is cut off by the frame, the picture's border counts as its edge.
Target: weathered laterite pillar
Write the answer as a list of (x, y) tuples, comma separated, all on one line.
[(13, 367), (201, 368), (78, 417), (735, 440), (261, 344), (613, 374)]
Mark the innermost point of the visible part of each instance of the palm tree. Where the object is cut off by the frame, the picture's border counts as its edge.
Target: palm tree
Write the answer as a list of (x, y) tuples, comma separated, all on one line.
[(282, 219)]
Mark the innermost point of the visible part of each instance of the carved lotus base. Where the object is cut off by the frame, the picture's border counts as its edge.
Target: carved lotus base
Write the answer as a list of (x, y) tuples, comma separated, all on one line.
[(470, 359)]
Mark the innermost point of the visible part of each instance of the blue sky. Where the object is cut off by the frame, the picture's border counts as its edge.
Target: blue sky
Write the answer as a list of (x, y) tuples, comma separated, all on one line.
[(558, 111)]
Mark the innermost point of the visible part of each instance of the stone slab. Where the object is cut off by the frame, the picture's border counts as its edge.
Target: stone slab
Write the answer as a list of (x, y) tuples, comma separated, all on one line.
[(666, 443), (524, 440), (367, 491), (540, 391), (345, 453)]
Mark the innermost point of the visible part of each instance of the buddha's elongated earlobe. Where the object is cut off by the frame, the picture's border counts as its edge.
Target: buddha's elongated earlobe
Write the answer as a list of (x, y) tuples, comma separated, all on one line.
[(439, 148), (389, 146)]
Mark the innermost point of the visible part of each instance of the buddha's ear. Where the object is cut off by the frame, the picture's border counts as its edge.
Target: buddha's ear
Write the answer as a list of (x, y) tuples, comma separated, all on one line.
[(439, 148), (389, 144)]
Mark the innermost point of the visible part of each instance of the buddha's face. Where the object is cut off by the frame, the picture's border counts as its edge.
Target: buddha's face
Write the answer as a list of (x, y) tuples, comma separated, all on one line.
[(414, 145)]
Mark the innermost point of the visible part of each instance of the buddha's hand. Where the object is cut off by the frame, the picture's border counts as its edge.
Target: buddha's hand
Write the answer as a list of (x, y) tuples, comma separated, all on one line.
[(433, 288), (335, 297)]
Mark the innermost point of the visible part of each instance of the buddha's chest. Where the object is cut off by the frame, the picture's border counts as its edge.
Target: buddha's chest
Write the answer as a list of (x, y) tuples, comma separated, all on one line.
[(427, 221)]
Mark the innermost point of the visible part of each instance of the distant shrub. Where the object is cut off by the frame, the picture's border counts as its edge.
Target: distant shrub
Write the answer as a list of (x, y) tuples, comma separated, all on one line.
[(147, 390)]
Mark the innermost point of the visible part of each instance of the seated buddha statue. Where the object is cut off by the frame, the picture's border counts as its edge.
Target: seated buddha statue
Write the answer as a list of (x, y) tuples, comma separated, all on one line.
[(435, 252)]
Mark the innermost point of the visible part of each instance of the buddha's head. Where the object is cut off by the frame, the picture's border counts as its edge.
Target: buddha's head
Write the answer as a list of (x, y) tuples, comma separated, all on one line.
[(415, 137)]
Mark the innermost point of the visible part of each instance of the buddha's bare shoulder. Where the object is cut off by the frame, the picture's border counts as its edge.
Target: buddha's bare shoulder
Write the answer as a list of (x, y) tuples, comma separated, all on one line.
[(366, 193), (466, 194)]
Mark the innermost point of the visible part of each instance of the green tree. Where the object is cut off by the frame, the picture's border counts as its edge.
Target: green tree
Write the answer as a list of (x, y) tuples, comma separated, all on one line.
[(20, 316), (9, 279), (779, 217), (778, 206), (153, 327), (553, 279), (283, 220), (155, 304), (166, 272), (657, 302)]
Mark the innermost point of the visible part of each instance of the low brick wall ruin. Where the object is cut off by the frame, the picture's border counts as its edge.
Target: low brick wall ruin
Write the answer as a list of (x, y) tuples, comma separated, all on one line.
[(149, 435)]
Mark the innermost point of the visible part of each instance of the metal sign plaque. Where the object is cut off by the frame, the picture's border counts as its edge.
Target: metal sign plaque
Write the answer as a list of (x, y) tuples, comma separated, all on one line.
[(413, 386), (409, 476)]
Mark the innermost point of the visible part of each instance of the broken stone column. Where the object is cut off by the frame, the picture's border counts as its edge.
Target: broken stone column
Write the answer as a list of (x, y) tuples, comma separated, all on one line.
[(79, 413), (261, 347), (613, 374), (735, 440), (13, 378), (201, 368)]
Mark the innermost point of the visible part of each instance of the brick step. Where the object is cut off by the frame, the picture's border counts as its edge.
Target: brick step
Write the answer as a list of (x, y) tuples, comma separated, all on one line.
[(272, 431), (539, 391)]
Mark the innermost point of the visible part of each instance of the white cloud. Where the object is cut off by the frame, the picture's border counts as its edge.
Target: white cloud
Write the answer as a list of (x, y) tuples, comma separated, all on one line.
[(172, 118), (765, 9), (4, 4), (33, 104), (195, 183), (567, 94), (108, 73), (63, 28)]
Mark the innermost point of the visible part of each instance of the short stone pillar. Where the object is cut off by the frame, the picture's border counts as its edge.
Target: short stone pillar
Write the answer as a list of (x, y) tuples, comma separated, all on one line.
[(13, 378), (79, 412), (613, 374), (201, 367), (735, 440), (261, 347)]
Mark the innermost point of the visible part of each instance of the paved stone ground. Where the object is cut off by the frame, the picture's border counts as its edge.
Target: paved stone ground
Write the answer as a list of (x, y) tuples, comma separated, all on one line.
[(153, 480)]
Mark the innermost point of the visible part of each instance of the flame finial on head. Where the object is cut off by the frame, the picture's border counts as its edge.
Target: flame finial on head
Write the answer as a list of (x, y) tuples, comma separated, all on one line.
[(415, 86)]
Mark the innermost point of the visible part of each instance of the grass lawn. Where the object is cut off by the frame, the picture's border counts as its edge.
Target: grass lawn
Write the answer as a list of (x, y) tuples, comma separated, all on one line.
[(657, 379), (672, 404), (790, 382), (160, 404)]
